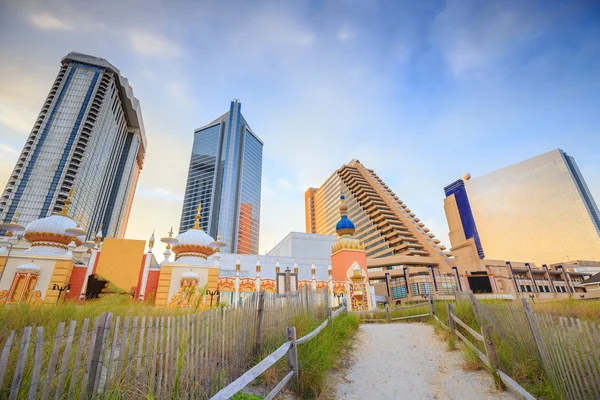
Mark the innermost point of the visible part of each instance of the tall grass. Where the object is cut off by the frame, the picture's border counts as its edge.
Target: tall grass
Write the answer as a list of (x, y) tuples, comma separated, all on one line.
[(523, 367), (316, 357), (588, 310), (18, 316)]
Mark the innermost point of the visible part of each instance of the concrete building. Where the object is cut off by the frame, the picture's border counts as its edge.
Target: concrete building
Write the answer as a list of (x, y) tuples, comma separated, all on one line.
[(225, 177), (58, 260), (539, 210), (384, 223), (304, 245), (89, 136)]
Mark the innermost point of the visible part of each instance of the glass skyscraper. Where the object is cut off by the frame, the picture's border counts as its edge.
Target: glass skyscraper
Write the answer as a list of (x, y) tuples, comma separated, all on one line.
[(539, 210), (225, 177), (89, 135)]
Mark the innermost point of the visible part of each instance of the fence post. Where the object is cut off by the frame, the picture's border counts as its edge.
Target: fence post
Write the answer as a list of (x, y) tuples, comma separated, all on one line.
[(490, 347), (387, 312), (292, 354), (261, 306), (451, 322), (345, 308), (431, 305), (536, 335), (306, 293), (329, 315), (96, 354), (473, 301)]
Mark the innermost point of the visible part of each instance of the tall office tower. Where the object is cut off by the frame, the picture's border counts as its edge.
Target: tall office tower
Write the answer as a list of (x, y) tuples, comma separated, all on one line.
[(224, 176), (89, 135), (383, 222), (538, 210)]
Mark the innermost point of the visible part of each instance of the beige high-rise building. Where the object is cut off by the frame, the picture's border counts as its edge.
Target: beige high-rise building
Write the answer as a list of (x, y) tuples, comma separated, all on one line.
[(539, 210), (386, 226)]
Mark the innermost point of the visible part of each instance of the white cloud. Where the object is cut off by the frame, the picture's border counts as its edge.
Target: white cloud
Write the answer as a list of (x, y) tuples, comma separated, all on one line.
[(473, 38), (153, 45), (49, 22), (345, 33)]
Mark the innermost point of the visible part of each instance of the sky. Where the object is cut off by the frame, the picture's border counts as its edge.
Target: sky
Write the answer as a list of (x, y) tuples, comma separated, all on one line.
[(420, 91)]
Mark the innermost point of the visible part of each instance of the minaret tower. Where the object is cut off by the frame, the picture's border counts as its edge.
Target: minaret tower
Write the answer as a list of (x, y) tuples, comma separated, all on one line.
[(349, 261)]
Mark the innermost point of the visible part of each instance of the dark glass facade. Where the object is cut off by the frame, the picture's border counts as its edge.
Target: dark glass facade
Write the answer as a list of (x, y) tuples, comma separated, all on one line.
[(89, 136), (225, 177)]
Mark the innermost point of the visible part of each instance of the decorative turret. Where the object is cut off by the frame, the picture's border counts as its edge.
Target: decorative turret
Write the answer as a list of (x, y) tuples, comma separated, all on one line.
[(277, 267), (151, 242), (194, 242), (237, 266), (258, 266), (345, 227), (295, 267), (13, 226), (52, 235), (217, 244)]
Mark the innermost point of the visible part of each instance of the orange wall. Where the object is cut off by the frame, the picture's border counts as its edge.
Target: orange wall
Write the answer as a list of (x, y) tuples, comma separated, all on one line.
[(343, 260), (76, 282), (152, 283), (121, 262)]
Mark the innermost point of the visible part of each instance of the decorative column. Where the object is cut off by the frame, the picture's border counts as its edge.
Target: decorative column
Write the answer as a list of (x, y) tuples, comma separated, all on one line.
[(91, 264), (147, 260), (313, 272), (330, 285), (549, 279), (257, 281), (236, 283), (535, 288), (169, 240)]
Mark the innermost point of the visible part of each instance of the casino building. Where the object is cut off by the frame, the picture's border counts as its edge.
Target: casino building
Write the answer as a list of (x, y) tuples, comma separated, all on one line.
[(58, 260)]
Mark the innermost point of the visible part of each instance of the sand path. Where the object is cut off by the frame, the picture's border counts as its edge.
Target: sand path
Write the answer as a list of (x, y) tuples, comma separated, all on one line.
[(396, 361)]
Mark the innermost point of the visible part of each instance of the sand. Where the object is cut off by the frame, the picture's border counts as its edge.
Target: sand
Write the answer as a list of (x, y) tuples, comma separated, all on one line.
[(396, 361)]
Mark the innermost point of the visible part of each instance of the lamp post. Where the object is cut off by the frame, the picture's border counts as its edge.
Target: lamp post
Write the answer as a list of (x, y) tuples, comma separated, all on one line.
[(61, 289), (339, 297), (211, 294)]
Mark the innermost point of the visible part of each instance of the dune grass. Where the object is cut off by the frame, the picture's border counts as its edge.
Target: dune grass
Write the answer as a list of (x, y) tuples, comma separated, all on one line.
[(317, 357), (16, 317)]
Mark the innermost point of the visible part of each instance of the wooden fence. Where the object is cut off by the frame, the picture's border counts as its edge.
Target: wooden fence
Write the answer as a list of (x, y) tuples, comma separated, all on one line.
[(398, 313), (565, 350), (289, 348), (193, 355), (568, 348)]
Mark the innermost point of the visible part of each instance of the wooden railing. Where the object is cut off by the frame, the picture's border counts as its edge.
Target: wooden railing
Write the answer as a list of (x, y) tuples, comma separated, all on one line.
[(490, 357), (163, 357), (369, 315), (289, 348)]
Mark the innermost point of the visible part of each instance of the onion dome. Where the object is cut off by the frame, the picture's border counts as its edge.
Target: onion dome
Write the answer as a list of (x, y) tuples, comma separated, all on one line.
[(12, 226), (29, 268), (55, 231), (344, 227), (194, 242), (190, 275)]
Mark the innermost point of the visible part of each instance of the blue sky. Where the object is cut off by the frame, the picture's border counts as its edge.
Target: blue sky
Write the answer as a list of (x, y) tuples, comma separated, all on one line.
[(420, 91)]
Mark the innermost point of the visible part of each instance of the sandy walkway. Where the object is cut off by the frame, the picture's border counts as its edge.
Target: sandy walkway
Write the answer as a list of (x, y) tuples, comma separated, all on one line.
[(394, 361)]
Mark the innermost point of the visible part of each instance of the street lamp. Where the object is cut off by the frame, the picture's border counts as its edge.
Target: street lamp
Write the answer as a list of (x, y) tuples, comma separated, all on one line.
[(339, 297), (211, 294), (61, 289)]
